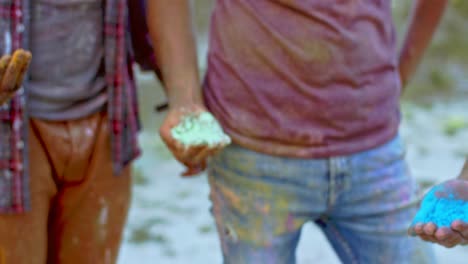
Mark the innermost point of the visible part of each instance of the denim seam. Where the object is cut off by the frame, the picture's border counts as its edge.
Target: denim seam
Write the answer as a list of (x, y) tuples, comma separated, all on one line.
[(344, 243), (331, 182)]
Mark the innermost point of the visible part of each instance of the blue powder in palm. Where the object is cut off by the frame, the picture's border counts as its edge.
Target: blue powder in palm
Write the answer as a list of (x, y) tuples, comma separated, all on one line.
[(441, 211)]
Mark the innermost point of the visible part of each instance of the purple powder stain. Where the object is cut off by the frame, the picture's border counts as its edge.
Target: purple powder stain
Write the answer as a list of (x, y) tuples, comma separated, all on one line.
[(290, 223)]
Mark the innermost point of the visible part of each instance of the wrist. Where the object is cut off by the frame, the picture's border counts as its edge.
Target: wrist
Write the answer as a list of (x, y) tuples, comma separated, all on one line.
[(404, 70), (463, 176), (183, 92), (185, 99), (464, 173)]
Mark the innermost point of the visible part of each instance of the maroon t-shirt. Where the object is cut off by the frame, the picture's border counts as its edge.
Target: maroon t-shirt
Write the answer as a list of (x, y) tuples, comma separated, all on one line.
[(304, 78)]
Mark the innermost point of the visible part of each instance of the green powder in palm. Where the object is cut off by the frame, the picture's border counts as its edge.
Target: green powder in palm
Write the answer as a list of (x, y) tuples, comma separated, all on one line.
[(202, 129)]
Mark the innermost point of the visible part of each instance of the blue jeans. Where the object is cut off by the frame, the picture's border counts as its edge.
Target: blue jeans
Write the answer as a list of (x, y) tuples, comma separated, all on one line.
[(363, 203)]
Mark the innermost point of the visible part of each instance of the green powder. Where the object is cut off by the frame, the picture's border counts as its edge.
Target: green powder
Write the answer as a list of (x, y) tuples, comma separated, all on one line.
[(201, 129)]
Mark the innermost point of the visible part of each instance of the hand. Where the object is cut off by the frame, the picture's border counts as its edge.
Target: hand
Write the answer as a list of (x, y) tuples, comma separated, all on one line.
[(457, 232), (403, 74), (12, 71), (193, 157)]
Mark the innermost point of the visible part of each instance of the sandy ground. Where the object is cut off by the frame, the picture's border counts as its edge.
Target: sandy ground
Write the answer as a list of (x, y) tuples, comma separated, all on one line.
[(169, 221)]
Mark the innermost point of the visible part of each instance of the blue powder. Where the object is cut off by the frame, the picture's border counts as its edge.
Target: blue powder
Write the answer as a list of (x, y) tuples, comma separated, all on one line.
[(441, 211)]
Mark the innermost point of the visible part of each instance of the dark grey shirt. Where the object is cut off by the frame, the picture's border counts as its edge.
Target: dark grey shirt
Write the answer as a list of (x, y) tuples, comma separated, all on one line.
[(66, 77)]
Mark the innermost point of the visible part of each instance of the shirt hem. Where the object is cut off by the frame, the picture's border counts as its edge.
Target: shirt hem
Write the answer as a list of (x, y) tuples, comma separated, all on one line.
[(336, 149)]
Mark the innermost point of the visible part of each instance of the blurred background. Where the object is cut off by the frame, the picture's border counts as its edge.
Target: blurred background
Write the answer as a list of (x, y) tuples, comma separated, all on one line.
[(169, 221)]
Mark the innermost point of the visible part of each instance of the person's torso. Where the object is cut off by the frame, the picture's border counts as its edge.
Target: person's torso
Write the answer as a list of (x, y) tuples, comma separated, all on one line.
[(305, 78), (66, 75)]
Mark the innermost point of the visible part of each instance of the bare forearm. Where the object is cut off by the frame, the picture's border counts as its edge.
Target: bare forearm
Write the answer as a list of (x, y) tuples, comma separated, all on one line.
[(425, 17), (169, 23), (464, 172)]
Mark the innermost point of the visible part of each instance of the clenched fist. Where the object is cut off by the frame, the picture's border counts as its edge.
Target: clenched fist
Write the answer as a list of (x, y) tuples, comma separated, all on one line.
[(12, 71)]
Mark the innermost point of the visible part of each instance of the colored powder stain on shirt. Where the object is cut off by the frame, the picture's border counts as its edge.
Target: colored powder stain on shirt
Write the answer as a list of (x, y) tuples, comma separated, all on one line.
[(334, 58), (202, 129), (441, 211)]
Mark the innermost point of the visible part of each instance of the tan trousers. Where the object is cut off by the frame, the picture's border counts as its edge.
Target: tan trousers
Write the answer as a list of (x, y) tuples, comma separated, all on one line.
[(79, 207)]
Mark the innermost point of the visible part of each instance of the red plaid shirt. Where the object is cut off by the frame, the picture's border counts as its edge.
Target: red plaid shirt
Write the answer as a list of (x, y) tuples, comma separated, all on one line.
[(122, 107)]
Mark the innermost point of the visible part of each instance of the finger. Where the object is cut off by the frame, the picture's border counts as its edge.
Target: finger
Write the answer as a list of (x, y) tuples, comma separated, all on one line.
[(461, 227), (418, 229), (444, 233), (458, 225), (24, 59), (447, 237), (210, 151), (4, 61), (15, 70), (219, 148), (203, 165), (451, 241), (193, 170), (14, 74), (202, 155), (183, 155), (429, 229), (170, 142), (189, 153), (428, 238), (214, 150), (173, 146)]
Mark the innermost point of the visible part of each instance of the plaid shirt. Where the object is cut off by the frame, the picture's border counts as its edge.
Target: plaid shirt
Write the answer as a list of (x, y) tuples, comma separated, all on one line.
[(122, 106)]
